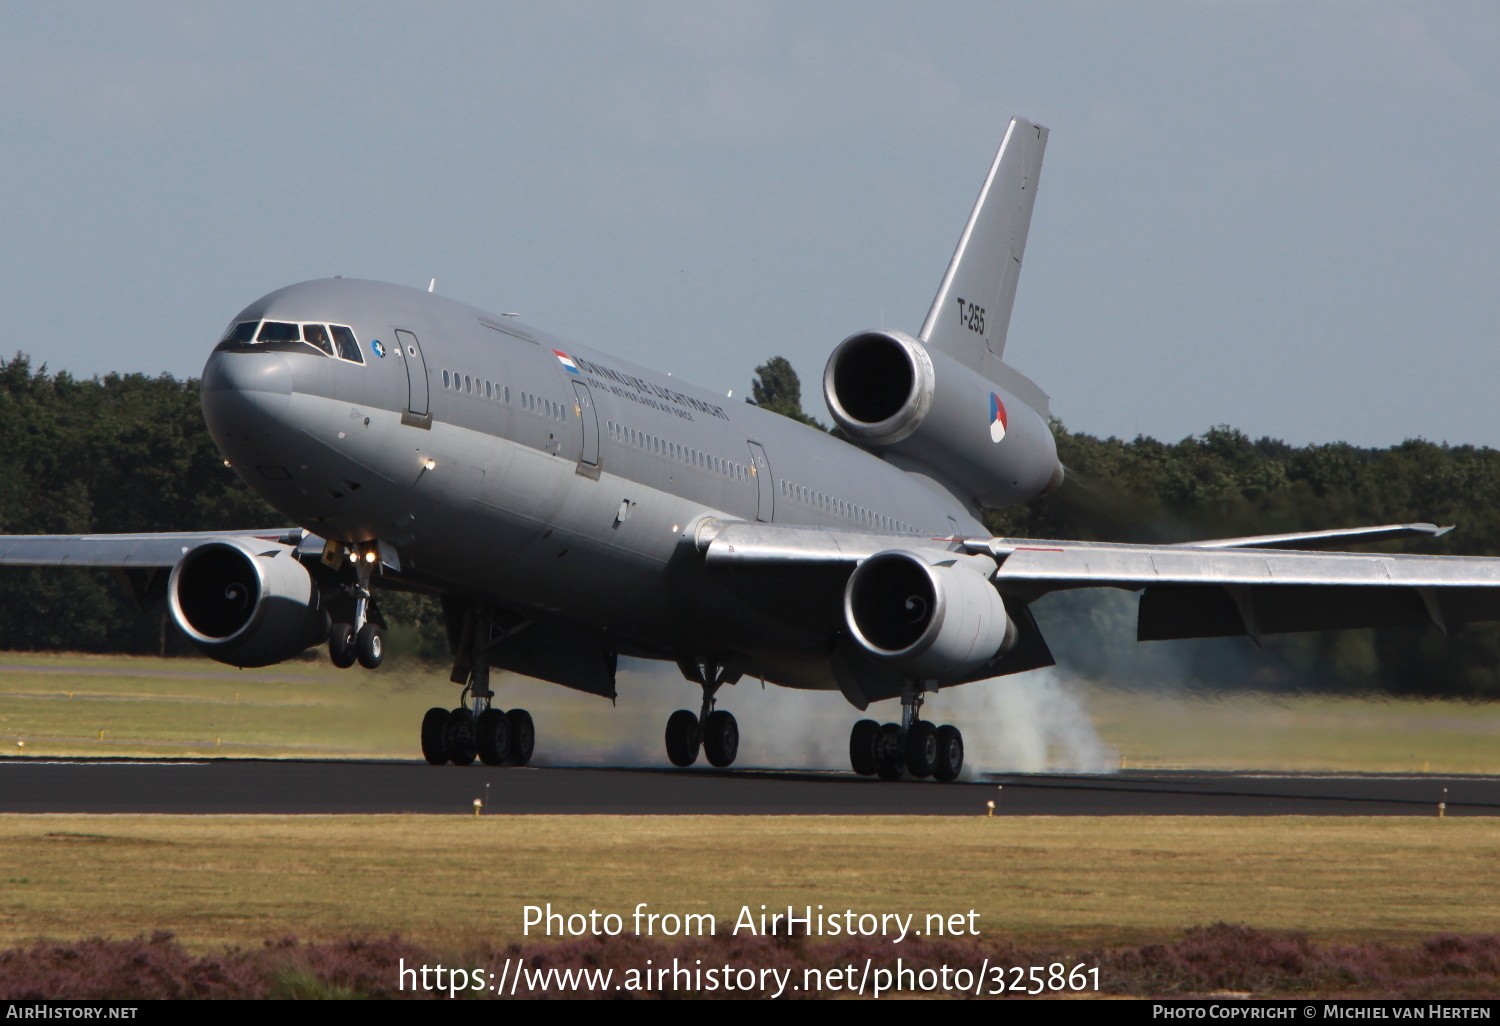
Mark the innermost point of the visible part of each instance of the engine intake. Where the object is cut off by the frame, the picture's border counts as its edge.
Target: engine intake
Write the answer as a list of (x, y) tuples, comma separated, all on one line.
[(890, 393), (246, 602), (940, 620)]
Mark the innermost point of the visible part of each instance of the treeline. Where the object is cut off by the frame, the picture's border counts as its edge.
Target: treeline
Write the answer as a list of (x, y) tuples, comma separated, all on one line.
[(1225, 484), (131, 453), (120, 453)]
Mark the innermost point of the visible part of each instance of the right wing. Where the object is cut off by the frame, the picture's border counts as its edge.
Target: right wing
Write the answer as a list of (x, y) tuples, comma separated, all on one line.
[(124, 551)]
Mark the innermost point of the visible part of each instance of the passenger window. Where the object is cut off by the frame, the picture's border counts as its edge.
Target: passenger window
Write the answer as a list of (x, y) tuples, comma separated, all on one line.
[(348, 347), (279, 331), (446, 382), (317, 335), (242, 332), (488, 392)]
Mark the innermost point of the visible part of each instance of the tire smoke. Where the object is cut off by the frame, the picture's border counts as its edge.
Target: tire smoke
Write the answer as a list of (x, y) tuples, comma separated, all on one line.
[(1029, 722)]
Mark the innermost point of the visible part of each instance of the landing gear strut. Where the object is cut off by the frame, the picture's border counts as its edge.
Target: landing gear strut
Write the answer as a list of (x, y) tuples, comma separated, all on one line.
[(714, 730), (363, 640), (915, 746), (478, 730)]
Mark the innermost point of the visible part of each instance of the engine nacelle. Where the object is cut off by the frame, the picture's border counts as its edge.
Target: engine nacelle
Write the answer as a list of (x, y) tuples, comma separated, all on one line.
[(890, 393), (246, 602), (938, 621)]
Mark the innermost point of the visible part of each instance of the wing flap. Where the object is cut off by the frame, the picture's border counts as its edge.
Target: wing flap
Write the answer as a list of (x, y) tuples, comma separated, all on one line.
[(1054, 565), (1323, 539)]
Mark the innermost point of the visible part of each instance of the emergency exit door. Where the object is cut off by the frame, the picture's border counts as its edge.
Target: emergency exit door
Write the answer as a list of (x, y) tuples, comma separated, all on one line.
[(417, 412), (760, 469)]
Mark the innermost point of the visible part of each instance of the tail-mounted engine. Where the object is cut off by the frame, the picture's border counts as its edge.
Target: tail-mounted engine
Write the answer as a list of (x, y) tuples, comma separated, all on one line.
[(940, 620), (246, 602), (890, 393)]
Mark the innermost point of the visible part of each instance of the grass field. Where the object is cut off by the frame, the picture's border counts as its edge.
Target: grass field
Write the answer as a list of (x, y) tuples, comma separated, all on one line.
[(59, 704), (454, 882)]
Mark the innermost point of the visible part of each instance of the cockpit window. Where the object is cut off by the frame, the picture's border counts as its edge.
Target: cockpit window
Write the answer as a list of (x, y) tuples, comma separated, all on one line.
[(317, 335), (279, 331), (242, 332), (348, 348), (335, 340)]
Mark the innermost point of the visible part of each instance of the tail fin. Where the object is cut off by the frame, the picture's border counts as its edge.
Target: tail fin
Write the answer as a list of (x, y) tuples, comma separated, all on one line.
[(971, 314)]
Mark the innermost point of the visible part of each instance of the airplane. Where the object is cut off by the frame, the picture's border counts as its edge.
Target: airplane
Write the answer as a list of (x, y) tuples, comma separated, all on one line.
[(569, 507)]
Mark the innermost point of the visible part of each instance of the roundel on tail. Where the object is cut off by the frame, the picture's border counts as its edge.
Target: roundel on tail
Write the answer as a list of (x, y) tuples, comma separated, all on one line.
[(998, 418)]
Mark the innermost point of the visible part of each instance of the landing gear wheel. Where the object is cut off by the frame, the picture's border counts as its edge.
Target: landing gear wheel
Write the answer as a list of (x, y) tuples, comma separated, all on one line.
[(863, 740), (889, 759), (460, 737), (682, 738), (341, 646), (435, 736), (522, 736), (369, 645), (950, 753), (721, 738), (921, 749), (492, 737)]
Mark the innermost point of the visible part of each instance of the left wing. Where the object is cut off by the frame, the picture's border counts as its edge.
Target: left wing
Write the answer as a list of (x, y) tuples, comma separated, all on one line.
[(1243, 586)]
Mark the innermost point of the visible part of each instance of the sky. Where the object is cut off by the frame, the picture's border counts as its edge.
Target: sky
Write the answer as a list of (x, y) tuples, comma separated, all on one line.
[(1281, 216)]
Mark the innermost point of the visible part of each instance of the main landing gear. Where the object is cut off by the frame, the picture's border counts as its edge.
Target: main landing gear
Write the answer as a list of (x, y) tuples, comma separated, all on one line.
[(916, 746), (715, 731), (478, 729), (363, 640), (495, 737)]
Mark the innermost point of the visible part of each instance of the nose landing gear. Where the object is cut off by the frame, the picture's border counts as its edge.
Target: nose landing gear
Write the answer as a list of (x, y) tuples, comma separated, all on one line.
[(363, 640), (915, 746)]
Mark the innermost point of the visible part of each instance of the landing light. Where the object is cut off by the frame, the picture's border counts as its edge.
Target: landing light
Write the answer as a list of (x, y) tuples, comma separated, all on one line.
[(370, 556), (429, 464)]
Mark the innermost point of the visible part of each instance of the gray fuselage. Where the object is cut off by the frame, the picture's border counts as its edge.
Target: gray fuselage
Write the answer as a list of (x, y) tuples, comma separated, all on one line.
[(519, 469)]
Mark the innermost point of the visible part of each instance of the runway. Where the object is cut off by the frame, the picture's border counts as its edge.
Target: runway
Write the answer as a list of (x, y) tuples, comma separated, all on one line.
[(37, 785)]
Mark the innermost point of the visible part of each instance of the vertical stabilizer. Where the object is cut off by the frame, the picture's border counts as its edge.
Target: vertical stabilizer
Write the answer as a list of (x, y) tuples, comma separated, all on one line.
[(971, 314)]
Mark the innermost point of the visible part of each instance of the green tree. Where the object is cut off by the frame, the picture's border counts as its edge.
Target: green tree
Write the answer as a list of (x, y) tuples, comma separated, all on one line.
[(777, 388)]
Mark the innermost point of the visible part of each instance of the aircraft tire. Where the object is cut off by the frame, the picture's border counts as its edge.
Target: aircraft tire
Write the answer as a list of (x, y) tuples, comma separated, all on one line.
[(435, 736), (460, 738), (921, 749), (863, 740), (682, 738), (492, 737), (950, 759), (369, 646), (721, 738), (341, 646), (522, 736), (889, 758)]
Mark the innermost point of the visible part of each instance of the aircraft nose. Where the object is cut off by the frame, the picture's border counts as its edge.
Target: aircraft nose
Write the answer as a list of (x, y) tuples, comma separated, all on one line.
[(244, 393)]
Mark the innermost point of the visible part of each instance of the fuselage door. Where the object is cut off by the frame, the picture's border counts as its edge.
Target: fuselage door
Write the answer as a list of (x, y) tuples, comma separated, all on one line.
[(588, 457), (417, 413), (760, 467)]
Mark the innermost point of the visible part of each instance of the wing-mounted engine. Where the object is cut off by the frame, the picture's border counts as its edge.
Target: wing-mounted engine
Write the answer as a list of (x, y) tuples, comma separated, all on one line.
[(246, 602), (935, 618), (892, 394)]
